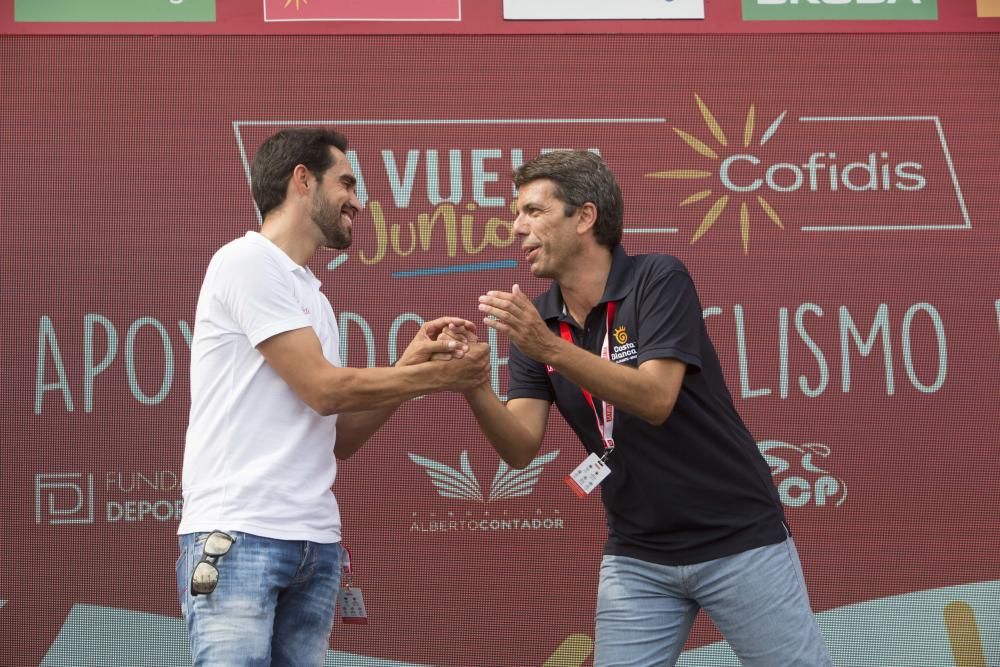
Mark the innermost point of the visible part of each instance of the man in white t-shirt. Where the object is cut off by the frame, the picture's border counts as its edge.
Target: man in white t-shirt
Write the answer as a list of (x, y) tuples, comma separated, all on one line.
[(272, 409)]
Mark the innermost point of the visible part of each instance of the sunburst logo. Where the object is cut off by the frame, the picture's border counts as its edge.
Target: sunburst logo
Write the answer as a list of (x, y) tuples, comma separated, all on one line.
[(621, 336), (297, 3), (703, 149)]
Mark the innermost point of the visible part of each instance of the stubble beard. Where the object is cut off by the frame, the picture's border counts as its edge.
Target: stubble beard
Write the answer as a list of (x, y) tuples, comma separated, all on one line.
[(336, 235)]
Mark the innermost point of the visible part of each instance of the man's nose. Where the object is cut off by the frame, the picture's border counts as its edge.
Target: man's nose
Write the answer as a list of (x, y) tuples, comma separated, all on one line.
[(520, 225)]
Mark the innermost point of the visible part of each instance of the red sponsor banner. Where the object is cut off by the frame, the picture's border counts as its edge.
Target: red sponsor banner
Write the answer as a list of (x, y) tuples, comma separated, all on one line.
[(257, 17), (843, 239), (362, 10)]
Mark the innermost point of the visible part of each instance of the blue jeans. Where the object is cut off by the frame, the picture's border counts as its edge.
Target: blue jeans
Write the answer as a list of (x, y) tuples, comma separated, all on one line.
[(274, 603), (756, 598)]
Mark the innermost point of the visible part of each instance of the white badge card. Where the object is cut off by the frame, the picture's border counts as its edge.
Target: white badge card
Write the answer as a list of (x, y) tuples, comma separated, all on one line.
[(352, 606), (587, 475)]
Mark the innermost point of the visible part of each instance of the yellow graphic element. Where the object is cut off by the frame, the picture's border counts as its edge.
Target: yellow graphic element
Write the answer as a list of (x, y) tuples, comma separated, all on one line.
[(771, 213), (445, 223), (748, 128), (966, 645), (744, 225), (713, 124), (621, 336), (698, 196), (574, 650), (985, 8), (697, 144), (713, 214), (288, 2), (708, 152)]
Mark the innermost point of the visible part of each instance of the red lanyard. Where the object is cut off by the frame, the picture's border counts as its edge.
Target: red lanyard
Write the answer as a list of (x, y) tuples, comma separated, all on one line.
[(605, 427)]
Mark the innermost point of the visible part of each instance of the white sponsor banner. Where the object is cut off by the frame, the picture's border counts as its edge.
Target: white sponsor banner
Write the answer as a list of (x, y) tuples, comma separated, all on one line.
[(603, 9)]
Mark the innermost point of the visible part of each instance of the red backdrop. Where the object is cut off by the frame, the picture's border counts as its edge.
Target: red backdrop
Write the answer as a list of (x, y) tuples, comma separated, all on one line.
[(861, 336)]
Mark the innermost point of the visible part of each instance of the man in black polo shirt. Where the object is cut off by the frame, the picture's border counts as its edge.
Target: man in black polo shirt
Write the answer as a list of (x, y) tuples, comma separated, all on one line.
[(620, 345)]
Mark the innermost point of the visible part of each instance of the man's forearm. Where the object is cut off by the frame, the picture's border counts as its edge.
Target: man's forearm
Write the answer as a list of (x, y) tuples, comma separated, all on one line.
[(633, 390), (362, 389), (513, 442), (355, 428)]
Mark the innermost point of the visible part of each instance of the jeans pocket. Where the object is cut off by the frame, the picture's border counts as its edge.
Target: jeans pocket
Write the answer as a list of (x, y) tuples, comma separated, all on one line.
[(181, 568), (181, 558)]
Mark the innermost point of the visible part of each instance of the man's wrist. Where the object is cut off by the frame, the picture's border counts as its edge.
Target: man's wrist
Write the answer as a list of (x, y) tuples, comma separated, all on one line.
[(470, 394), (550, 351)]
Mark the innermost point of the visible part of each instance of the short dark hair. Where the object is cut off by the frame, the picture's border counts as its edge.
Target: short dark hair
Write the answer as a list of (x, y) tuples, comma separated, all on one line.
[(278, 156), (580, 177)]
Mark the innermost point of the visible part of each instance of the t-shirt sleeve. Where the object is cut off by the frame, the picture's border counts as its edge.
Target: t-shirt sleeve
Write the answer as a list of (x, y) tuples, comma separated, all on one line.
[(528, 378), (257, 293), (669, 317)]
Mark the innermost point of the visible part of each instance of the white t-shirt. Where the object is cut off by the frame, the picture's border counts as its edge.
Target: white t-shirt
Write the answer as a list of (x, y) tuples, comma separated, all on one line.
[(257, 459)]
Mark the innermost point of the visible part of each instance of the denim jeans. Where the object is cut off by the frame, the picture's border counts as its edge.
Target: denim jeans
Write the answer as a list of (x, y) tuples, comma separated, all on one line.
[(274, 603), (756, 598)]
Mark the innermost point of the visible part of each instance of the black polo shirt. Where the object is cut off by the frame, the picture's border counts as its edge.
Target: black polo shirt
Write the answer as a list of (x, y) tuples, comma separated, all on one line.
[(694, 488)]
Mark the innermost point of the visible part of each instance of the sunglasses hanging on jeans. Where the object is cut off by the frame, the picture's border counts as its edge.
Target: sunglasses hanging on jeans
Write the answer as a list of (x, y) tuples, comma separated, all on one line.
[(205, 577)]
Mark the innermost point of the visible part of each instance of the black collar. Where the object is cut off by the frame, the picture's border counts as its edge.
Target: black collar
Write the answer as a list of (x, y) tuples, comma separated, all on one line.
[(550, 304)]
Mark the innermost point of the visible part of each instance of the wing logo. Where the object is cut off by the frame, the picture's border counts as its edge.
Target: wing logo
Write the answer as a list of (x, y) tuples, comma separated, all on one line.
[(462, 484)]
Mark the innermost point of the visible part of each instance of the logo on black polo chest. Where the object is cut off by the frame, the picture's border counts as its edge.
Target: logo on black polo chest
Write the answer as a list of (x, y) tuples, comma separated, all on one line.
[(622, 348)]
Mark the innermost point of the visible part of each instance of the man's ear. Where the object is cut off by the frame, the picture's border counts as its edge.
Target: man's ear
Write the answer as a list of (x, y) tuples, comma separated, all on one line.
[(301, 180), (588, 217)]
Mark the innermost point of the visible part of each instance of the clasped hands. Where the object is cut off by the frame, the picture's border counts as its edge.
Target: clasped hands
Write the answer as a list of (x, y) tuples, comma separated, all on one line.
[(460, 362), (451, 339)]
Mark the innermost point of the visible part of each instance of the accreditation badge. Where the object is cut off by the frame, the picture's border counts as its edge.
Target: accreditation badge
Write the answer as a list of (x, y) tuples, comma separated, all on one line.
[(586, 476), (352, 606), (350, 601)]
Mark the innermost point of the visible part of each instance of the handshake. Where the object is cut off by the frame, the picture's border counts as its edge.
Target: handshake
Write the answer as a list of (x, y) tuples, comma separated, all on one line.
[(450, 345), (448, 349)]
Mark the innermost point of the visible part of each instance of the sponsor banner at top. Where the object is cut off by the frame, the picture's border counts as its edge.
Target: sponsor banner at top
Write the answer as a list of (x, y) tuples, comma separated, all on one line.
[(370, 10), (601, 9), (987, 8), (493, 17), (90, 11), (840, 10)]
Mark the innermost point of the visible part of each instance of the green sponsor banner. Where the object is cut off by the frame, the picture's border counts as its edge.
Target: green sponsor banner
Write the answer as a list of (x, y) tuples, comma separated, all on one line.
[(840, 10), (114, 11)]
